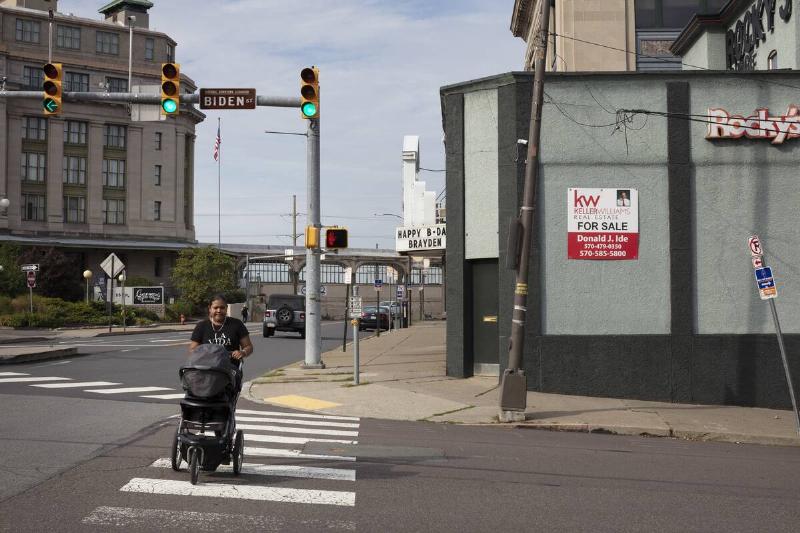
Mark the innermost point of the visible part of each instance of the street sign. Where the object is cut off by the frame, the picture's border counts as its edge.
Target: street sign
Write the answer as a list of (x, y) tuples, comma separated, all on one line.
[(227, 98), (765, 283), (348, 275), (378, 283), (118, 265), (323, 290), (401, 293), (355, 307), (31, 283), (758, 261), (30, 268), (754, 243)]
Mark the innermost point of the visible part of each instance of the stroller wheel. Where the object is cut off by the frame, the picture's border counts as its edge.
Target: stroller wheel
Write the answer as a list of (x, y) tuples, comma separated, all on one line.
[(176, 452), (194, 465), (238, 452)]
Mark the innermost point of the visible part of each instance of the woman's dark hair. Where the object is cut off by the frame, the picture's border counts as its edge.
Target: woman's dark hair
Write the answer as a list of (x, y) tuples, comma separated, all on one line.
[(220, 297)]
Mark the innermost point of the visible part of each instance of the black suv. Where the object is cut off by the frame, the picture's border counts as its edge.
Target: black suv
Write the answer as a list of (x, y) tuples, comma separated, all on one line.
[(285, 312)]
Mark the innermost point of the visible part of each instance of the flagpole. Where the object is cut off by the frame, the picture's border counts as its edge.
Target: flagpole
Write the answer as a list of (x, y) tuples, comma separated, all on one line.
[(219, 185)]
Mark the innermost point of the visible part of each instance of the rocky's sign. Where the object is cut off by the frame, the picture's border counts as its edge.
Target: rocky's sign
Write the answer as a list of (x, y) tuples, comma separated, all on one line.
[(746, 34), (148, 295), (723, 125), (421, 238)]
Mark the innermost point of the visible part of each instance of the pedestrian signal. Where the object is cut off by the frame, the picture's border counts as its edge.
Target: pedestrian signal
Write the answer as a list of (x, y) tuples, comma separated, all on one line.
[(336, 238), (170, 88), (309, 93), (312, 237), (52, 89)]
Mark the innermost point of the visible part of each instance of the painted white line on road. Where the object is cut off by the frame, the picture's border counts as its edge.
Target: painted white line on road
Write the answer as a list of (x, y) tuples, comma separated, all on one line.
[(169, 340), (130, 350), (338, 474), (52, 364), (168, 520), (295, 415), (164, 396), (252, 437), (127, 389), (13, 374), (304, 431), (74, 385), (22, 380), (302, 422), (241, 492), (297, 454)]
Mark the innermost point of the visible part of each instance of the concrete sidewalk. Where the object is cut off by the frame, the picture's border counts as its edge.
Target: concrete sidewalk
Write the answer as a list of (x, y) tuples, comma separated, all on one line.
[(403, 378)]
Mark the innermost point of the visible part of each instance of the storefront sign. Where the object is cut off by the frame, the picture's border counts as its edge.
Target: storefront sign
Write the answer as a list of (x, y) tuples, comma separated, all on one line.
[(603, 224), (148, 295), (723, 125), (749, 31), (421, 238)]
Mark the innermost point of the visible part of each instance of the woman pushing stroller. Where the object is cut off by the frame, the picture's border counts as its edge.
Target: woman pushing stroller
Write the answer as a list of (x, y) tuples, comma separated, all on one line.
[(219, 328)]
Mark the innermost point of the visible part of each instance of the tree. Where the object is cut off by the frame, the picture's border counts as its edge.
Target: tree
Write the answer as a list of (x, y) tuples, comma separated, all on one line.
[(200, 273), (12, 280), (59, 276)]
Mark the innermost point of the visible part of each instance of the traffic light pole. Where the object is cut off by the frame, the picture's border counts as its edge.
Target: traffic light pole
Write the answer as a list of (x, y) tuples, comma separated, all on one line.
[(313, 358), (137, 98)]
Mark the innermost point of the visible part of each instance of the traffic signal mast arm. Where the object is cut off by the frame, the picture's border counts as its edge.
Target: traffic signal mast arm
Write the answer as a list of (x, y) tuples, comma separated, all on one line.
[(138, 98)]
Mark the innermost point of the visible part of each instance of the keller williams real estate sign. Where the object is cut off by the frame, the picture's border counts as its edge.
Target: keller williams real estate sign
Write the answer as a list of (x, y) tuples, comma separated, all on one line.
[(603, 224)]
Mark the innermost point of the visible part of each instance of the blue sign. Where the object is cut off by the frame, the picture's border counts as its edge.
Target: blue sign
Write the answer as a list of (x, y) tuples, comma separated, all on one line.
[(766, 283), (378, 283), (763, 273)]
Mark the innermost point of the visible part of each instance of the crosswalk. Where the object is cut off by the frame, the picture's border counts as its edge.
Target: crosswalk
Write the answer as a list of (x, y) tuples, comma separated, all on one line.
[(267, 475), (103, 388)]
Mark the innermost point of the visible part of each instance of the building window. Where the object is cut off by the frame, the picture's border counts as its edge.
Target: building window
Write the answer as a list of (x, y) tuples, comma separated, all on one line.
[(170, 53), (33, 206), (74, 170), (27, 31), (75, 209), (772, 60), (75, 81), (68, 37), (75, 132), (32, 77), (149, 48), (33, 167), (34, 128), (114, 211), (117, 85), (157, 175), (114, 173), (115, 136), (157, 210), (158, 140), (157, 267), (107, 43)]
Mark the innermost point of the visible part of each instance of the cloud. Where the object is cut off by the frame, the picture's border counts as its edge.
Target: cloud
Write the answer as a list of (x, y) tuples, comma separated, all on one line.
[(381, 64)]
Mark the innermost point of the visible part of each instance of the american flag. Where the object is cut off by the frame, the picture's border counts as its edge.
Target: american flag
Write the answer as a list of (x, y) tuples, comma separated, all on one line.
[(217, 142)]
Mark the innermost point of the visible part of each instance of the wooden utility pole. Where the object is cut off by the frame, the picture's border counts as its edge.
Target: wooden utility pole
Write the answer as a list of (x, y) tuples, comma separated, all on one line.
[(514, 390)]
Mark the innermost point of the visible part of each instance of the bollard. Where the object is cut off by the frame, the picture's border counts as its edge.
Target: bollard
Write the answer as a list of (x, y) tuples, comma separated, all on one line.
[(355, 351)]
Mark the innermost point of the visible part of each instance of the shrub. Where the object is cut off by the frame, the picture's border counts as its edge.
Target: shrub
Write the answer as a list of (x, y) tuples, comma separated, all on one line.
[(175, 310), (235, 296)]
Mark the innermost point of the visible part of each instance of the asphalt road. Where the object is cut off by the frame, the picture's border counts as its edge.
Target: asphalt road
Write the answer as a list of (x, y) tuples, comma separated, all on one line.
[(46, 427)]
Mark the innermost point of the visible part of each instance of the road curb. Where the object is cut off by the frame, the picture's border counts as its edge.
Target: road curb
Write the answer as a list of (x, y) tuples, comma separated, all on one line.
[(39, 356), (22, 340)]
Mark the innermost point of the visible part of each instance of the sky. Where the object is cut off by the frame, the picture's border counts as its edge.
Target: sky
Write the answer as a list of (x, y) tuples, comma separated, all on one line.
[(381, 66)]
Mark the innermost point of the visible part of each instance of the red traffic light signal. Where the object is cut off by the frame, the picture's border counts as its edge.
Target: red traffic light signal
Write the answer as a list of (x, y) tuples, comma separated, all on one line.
[(336, 238)]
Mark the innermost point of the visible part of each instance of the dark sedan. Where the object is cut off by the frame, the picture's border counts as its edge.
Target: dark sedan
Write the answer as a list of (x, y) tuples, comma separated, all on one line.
[(369, 318)]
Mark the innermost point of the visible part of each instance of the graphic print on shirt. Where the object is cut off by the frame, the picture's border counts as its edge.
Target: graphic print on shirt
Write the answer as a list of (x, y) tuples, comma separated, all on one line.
[(221, 339)]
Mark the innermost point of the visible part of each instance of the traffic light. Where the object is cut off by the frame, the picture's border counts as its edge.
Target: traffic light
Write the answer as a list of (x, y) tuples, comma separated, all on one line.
[(52, 89), (336, 238), (312, 237), (170, 88), (309, 93)]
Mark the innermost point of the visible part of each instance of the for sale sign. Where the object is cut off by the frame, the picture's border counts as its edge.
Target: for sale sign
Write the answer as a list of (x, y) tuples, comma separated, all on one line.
[(603, 224)]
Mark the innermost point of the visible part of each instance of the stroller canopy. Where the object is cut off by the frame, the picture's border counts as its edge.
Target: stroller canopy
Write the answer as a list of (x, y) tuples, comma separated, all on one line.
[(208, 371)]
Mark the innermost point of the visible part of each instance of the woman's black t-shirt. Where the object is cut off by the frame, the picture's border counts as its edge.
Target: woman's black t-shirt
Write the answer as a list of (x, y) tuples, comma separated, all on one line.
[(229, 334)]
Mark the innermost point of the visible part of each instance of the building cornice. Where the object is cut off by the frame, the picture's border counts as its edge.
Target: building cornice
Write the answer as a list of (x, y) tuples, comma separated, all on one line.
[(521, 17), (702, 23)]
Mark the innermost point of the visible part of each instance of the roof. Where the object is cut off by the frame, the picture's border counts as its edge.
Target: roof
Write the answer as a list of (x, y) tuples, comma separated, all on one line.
[(68, 242), (702, 23), (117, 4)]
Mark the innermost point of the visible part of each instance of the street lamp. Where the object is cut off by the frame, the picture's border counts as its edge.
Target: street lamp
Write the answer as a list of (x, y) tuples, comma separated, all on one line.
[(4, 203), (87, 275)]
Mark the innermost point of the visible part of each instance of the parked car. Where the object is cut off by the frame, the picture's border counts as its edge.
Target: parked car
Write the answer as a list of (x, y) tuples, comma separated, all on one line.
[(285, 312), (369, 318)]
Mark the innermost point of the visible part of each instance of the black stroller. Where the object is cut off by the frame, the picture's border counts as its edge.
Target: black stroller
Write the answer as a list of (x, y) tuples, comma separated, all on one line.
[(206, 434)]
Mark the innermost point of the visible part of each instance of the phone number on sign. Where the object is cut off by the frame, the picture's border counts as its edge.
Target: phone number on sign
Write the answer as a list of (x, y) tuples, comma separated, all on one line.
[(602, 246), (603, 253)]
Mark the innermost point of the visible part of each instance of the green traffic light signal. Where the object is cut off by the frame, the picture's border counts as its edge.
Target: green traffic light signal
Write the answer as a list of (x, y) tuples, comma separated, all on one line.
[(50, 105), (309, 109), (169, 106)]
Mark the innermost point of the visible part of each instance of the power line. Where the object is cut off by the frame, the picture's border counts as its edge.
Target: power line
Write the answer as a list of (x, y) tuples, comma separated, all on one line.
[(433, 169)]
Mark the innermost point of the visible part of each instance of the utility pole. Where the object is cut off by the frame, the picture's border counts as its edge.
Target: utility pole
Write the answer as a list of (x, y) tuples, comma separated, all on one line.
[(514, 389), (313, 356)]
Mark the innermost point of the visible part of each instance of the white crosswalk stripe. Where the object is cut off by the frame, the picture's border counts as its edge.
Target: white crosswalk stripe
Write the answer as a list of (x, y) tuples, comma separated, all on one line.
[(309, 431), (295, 415), (31, 379), (296, 421), (13, 374), (125, 390), (291, 440), (174, 396), (281, 452), (340, 474), (75, 385)]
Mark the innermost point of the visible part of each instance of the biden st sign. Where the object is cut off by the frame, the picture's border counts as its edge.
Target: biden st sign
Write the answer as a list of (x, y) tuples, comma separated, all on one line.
[(227, 98)]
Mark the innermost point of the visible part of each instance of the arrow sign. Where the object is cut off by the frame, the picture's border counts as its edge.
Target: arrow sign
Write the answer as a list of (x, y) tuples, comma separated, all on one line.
[(50, 105)]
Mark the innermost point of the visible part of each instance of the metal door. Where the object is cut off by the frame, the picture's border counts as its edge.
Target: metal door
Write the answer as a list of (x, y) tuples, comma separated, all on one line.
[(484, 316)]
